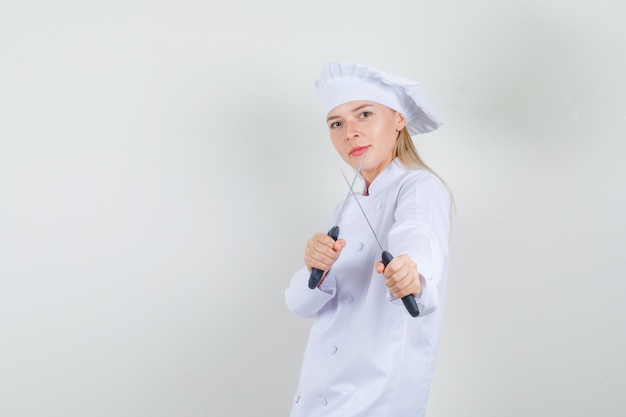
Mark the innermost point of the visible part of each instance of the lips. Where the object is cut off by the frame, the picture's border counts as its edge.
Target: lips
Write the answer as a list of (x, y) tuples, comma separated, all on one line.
[(358, 150)]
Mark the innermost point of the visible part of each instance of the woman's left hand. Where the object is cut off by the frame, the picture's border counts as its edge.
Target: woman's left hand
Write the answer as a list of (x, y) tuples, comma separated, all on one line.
[(401, 276)]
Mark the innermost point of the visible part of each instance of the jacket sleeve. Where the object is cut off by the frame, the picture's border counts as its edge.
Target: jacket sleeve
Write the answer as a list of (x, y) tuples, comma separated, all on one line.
[(422, 230), (302, 300)]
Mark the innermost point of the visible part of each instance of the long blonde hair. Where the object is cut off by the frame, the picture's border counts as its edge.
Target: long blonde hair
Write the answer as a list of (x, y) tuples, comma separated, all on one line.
[(406, 152)]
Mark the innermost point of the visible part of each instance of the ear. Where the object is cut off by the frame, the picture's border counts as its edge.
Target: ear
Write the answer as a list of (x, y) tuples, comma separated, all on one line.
[(400, 121)]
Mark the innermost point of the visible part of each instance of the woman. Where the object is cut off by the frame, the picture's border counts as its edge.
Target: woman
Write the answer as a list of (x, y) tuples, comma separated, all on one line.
[(366, 355)]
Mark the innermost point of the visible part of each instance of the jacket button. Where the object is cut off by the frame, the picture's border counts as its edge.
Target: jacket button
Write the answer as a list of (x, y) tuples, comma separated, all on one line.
[(323, 401), (359, 246), (297, 399), (333, 350), (380, 205), (346, 299)]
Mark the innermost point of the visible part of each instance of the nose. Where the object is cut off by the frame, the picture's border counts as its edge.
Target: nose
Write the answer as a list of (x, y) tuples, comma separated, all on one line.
[(351, 131)]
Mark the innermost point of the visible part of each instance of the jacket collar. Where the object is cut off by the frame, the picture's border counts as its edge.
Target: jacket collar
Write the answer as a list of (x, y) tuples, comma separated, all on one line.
[(386, 177)]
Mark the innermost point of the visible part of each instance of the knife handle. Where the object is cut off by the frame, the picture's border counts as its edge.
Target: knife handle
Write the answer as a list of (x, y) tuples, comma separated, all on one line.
[(316, 274), (408, 300)]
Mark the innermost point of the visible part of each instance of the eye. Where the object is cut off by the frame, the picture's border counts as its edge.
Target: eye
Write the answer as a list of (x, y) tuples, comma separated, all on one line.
[(334, 125), (365, 114)]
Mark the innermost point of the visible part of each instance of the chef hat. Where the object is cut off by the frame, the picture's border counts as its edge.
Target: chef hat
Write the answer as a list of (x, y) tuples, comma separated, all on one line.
[(341, 82)]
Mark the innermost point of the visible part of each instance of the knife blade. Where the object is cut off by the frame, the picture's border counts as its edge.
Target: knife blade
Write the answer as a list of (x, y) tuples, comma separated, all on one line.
[(408, 300)]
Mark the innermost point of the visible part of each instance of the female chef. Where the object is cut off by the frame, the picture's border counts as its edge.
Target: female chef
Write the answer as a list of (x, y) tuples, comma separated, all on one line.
[(366, 355)]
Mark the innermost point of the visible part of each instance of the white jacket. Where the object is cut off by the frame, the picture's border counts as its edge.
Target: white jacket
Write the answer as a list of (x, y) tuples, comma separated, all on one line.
[(366, 356)]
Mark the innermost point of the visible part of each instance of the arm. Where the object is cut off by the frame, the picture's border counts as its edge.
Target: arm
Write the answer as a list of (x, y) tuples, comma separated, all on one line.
[(306, 302), (421, 232), (321, 252)]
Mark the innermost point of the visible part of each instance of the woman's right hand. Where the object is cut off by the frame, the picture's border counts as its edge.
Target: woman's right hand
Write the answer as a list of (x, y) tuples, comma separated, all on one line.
[(322, 251)]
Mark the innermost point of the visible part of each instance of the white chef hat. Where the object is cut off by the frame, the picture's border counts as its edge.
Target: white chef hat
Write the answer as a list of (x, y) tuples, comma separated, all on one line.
[(341, 82)]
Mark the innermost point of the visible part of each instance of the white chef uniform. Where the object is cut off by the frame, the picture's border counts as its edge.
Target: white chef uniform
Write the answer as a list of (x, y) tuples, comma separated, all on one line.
[(366, 356)]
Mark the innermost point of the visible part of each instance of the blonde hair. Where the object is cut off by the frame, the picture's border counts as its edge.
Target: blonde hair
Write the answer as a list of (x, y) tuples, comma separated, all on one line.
[(406, 152)]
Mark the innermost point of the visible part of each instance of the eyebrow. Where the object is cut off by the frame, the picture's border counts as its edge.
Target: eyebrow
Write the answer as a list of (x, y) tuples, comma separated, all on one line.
[(357, 108)]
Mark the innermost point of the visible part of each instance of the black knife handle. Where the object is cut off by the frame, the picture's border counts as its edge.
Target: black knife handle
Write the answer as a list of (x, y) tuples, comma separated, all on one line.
[(408, 300), (316, 274)]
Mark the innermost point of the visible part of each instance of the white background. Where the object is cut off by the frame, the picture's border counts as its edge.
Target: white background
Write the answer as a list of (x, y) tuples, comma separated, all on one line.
[(162, 164)]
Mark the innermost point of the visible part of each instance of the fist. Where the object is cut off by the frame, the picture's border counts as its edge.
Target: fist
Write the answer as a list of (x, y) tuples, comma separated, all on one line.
[(322, 251), (401, 276)]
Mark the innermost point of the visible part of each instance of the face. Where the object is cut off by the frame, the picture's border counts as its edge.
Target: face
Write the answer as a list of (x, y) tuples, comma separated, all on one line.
[(359, 126)]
